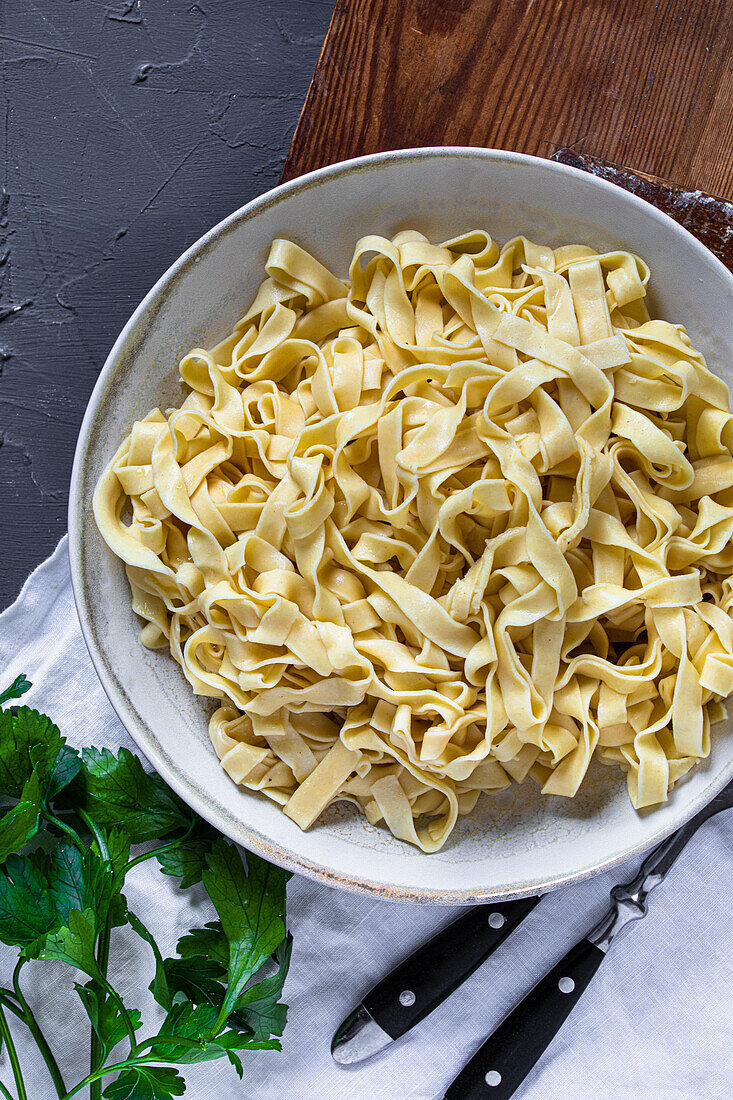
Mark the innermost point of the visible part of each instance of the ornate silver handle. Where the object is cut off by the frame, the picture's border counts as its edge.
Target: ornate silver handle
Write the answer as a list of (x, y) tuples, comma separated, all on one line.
[(629, 902)]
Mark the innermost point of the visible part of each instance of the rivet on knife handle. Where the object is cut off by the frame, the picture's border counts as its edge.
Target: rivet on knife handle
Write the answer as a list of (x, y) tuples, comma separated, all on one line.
[(419, 984)]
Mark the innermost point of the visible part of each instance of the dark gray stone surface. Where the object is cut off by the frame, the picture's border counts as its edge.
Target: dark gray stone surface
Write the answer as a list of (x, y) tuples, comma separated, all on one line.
[(129, 127)]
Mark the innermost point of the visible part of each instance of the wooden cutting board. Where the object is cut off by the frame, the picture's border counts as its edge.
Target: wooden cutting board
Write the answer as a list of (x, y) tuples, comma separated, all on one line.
[(644, 84)]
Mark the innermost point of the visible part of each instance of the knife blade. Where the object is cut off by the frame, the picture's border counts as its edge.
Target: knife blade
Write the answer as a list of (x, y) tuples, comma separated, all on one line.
[(499, 1066), (418, 985)]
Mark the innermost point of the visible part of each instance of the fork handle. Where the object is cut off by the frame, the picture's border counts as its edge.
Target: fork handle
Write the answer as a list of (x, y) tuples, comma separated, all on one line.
[(501, 1064)]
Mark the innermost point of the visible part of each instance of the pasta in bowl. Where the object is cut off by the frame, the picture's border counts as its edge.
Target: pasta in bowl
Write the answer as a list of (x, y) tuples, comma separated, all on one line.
[(514, 840), (460, 519)]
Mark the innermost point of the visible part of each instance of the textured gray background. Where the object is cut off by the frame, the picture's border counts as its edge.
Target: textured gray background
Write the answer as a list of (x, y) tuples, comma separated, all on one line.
[(129, 127)]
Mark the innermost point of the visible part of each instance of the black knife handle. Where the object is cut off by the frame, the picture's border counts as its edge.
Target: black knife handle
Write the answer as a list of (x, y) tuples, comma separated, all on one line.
[(420, 983), (501, 1064)]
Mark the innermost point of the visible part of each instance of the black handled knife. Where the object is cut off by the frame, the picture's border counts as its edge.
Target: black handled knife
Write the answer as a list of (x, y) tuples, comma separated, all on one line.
[(423, 981), (499, 1066)]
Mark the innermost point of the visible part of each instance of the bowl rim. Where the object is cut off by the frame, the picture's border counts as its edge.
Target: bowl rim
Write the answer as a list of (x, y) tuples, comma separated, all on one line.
[(238, 830)]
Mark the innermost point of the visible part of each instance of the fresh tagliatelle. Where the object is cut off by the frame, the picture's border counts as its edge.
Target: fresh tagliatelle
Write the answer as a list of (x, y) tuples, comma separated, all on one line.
[(463, 518)]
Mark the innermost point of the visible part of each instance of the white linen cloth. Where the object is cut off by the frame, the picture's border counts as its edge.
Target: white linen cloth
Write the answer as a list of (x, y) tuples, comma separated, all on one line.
[(656, 1023)]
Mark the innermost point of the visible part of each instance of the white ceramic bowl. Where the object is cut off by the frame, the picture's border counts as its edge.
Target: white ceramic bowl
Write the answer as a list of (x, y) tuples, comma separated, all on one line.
[(518, 842)]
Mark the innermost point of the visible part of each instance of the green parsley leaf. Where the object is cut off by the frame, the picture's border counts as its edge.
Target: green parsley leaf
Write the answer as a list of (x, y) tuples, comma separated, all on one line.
[(20, 824), (244, 1040), (198, 978), (146, 1083), (187, 1021), (58, 901), (105, 1016), (258, 1012), (258, 1008), (233, 1058), (118, 846), (119, 792), (30, 741), (118, 916), (251, 907), (66, 767), (196, 1023), (40, 892), (73, 943), (209, 941), (187, 860), (18, 687), (78, 881), (27, 910)]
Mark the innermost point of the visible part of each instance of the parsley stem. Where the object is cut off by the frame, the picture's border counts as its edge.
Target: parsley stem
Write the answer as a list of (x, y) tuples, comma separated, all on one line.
[(149, 855), (169, 846), (8, 1095), (35, 1029), (95, 1051), (7, 997), (67, 829), (16, 983), (96, 833), (123, 1013), (176, 1040), (129, 1063), (13, 1056), (95, 1087), (221, 1019)]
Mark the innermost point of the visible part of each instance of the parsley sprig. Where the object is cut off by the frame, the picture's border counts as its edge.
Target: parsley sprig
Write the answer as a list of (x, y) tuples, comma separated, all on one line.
[(68, 825)]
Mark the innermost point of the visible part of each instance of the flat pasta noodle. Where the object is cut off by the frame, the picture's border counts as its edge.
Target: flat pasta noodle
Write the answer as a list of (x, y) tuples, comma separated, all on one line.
[(460, 519)]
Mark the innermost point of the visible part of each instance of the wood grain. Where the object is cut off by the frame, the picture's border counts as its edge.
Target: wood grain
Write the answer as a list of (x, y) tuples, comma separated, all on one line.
[(648, 83)]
